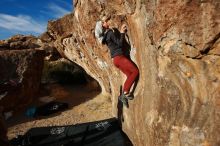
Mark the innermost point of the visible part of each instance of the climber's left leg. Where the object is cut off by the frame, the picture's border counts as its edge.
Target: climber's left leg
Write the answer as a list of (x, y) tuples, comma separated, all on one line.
[(129, 69)]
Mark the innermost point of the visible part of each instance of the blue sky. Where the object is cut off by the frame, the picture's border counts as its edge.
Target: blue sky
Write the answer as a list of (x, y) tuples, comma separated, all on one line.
[(30, 16)]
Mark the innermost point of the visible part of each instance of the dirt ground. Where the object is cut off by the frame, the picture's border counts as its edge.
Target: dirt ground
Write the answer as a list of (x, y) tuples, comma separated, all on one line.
[(85, 105)]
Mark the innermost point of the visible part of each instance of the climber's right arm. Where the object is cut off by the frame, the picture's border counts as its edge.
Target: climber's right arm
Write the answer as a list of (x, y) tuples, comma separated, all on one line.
[(118, 41)]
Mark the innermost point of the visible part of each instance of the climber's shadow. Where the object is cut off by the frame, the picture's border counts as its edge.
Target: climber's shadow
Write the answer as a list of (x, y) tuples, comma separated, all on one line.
[(120, 110)]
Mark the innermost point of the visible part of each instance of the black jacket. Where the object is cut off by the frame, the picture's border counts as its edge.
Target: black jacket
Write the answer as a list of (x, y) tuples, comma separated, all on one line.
[(114, 43)]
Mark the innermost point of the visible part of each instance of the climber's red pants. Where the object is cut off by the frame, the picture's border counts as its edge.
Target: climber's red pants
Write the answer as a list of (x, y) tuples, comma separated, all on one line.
[(128, 68)]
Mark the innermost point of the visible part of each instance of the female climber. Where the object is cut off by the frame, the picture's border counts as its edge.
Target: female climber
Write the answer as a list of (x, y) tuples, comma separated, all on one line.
[(124, 64)]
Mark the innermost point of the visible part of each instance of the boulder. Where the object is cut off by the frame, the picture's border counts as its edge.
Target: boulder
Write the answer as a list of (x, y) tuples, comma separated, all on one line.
[(20, 77), (175, 45)]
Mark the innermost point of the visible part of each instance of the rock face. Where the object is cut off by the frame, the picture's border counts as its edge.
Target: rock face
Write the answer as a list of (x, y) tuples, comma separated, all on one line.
[(19, 42), (176, 46), (21, 66)]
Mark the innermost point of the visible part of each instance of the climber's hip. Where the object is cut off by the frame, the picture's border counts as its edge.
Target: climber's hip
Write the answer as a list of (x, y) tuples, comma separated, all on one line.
[(124, 64)]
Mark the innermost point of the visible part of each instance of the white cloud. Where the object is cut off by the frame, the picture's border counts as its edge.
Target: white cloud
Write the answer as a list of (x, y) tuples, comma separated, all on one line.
[(22, 23), (57, 11)]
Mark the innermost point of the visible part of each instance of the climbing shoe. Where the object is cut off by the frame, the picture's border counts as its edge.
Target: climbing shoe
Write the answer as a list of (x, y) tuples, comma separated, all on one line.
[(129, 96), (124, 100)]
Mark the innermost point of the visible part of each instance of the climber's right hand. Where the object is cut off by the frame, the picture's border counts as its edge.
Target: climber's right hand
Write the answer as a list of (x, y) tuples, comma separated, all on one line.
[(123, 28)]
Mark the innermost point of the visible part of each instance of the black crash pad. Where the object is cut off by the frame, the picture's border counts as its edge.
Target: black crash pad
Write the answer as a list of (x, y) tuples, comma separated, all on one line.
[(99, 133)]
